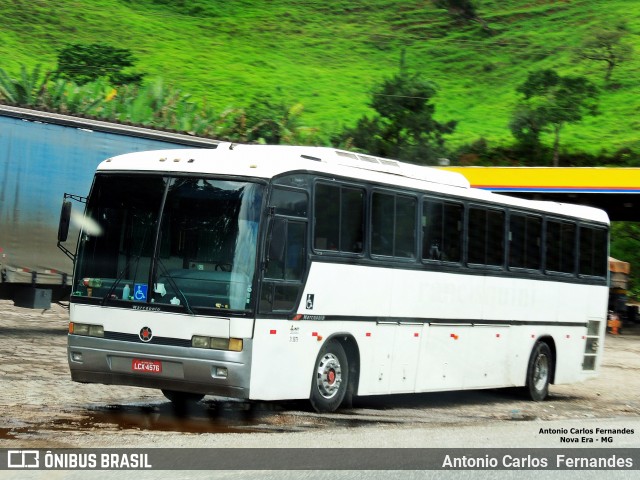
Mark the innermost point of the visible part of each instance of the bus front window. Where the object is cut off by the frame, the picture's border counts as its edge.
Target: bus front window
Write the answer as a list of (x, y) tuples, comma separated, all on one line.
[(208, 240), (126, 209), (198, 252)]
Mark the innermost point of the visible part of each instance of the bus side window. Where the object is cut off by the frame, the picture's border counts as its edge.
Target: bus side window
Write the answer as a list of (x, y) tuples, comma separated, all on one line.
[(592, 251), (405, 228), (327, 217), (442, 231), (393, 225), (525, 232), (486, 236), (285, 259), (560, 246), (339, 218)]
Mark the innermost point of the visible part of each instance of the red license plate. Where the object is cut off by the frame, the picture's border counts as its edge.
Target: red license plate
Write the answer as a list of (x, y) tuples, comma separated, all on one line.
[(149, 366)]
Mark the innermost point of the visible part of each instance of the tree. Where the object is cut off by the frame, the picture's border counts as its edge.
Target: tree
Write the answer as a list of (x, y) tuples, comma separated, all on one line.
[(404, 127), (549, 102), (605, 45), (527, 127), (463, 9), (625, 245), (86, 63)]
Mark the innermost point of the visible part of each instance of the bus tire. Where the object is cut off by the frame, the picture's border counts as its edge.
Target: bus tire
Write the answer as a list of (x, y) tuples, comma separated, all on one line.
[(182, 398), (330, 378), (539, 372)]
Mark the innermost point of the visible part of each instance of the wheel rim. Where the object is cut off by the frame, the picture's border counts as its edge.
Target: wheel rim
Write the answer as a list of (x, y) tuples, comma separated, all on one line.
[(541, 372), (329, 376)]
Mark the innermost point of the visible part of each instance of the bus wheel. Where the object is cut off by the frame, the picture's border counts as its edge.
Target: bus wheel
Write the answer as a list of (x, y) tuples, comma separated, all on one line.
[(182, 398), (330, 378), (539, 372)]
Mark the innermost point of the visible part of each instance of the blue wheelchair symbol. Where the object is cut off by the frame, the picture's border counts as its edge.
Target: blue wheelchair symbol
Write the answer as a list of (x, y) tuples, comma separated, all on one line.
[(140, 292)]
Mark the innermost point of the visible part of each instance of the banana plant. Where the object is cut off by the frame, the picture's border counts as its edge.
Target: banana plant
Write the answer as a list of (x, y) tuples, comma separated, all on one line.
[(26, 90)]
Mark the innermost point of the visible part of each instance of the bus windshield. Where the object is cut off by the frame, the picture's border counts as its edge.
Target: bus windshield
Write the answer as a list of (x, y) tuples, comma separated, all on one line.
[(184, 241)]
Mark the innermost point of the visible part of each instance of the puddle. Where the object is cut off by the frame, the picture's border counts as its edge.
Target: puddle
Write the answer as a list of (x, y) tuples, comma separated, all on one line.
[(202, 417), (207, 416), (223, 416), (7, 434), (215, 415)]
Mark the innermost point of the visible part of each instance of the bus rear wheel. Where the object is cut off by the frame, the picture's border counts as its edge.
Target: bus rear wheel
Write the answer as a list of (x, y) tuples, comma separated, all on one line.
[(330, 378), (539, 372)]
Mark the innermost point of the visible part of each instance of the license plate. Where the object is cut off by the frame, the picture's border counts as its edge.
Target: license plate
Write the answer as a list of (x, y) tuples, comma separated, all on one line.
[(149, 366)]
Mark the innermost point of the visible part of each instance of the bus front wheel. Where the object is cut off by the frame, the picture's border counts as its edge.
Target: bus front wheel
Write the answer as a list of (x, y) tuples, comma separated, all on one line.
[(539, 372), (330, 378), (182, 398)]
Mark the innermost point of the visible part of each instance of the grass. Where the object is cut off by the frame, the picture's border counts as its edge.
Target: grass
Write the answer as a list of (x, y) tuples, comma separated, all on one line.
[(329, 54)]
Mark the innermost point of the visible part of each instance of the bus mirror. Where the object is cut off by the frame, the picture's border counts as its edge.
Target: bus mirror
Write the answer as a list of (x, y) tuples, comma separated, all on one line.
[(65, 219), (277, 240)]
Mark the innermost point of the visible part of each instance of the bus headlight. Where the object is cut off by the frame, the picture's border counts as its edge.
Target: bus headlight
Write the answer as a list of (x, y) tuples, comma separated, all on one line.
[(220, 343), (217, 343), (200, 342), (86, 329)]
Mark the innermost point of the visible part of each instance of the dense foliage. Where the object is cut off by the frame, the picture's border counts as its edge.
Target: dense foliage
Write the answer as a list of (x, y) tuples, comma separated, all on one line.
[(328, 56), (624, 246)]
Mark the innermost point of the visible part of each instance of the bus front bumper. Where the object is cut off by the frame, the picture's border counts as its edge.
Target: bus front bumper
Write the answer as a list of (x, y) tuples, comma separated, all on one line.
[(184, 369)]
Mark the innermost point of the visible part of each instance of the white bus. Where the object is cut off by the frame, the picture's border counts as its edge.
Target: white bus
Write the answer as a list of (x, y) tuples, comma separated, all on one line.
[(277, 272)]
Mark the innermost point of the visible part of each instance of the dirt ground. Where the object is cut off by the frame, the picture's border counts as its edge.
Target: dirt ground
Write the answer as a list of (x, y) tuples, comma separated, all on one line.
[(41, 407)]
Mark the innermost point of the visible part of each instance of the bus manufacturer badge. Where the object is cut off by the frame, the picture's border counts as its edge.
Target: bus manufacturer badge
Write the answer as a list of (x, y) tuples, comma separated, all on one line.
[(145, 334)]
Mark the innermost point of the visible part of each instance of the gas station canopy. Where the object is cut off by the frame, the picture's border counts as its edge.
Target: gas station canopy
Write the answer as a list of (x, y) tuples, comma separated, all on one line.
[(616, 190)]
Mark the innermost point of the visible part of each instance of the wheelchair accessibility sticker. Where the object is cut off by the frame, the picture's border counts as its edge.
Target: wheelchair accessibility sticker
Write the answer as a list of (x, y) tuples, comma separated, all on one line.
[(140, 292)]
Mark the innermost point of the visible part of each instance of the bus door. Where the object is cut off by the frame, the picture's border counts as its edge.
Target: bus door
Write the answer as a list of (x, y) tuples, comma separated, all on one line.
[(285, 251)]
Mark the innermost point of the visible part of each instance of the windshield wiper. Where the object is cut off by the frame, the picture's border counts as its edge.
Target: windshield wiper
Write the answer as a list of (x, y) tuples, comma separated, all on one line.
[(174, 285), (119, 278)]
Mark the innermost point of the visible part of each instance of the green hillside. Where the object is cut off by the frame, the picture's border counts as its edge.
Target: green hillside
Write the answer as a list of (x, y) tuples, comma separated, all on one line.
[(329, 54)]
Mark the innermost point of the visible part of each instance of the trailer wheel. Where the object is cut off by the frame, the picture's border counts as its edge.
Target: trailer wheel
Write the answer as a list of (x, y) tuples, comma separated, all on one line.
[(330, 378), (539, 372), (182, 398)]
